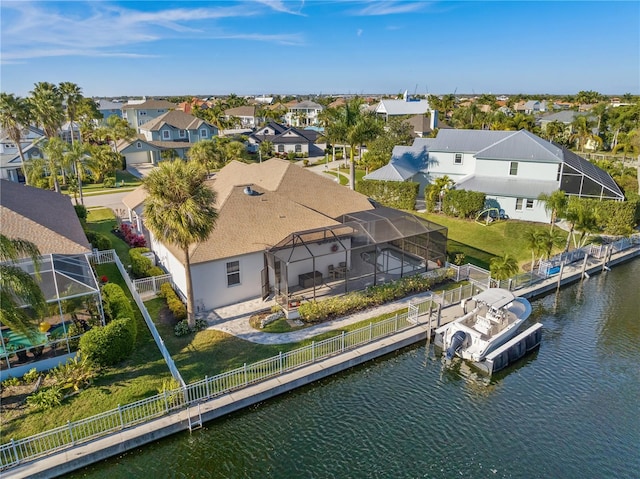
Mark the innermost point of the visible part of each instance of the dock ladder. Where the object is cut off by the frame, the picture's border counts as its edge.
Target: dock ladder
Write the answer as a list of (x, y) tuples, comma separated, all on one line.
[(196, 423)]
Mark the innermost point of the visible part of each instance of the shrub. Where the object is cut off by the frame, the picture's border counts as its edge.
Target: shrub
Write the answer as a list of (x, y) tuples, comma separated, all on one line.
[(31, 376), (182, 328), (75, 374), (140, 265), (115, 302), (395, 194), (98, 240), (10, 381), (46, 398), (81, 211), (156, 271), (174, 303), (463, 203), (109, 182), (108, 345)]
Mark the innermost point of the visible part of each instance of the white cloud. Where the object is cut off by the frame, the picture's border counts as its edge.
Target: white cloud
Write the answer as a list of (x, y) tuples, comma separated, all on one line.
[(282, 6), (390, 8), (34, 30)]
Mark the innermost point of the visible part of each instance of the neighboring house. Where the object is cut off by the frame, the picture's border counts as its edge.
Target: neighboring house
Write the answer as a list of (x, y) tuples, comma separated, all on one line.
[(406, 106), (245, 115), (264, 100), (48, 219), (286, 139), (187, 106), (107, 109), (67, 130), (424, 125), (530, 107), (139, 112), (511, 168), (10, 164), (567, 117), (304, 113), (280, 231), (173, 130)]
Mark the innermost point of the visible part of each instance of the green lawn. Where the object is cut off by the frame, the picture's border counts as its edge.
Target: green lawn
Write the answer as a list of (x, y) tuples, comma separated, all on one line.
[(138, 377), (103, 220), (480, 243)]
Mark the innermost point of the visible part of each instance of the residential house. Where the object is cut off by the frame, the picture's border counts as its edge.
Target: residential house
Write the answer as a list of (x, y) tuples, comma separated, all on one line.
[(172, 131), (406, 106), (108, 109), (530, 107), (567, 117), (284, 231), (139, 112), (245, 116), (10, 162), (68, 130), (511, 168), (424, 125), (304, 113), (286, 139), (187, 106), (48, 219)]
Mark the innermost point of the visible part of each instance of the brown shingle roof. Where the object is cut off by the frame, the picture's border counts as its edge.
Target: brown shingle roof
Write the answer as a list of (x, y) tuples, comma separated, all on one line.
[(241, 111), (45, 218), (291, 199)]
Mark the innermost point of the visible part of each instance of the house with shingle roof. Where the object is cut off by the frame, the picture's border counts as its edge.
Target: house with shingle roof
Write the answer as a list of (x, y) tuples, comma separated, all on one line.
[(261, 207), (46, 218), (511, 168), (108, 108), (10, 162), (138, 112), (245, 116), (286, 139)]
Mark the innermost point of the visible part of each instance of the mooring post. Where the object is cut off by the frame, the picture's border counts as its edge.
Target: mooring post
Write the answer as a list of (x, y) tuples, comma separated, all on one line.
[(439, 315), (584, 266), (560, 274), (606, 257)]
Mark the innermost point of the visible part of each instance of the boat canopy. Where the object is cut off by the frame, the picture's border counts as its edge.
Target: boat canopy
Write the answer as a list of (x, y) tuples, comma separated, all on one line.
[(495, 298)]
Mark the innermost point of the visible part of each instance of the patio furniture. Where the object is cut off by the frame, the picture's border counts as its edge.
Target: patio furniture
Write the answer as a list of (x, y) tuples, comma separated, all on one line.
[(308, 280), (332, 272)]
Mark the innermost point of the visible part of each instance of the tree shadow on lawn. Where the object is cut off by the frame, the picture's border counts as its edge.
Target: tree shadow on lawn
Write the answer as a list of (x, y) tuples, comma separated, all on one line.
[(475, 256)]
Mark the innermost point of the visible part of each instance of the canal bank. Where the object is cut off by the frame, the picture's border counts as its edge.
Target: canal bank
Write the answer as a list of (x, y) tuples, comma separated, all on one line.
[(70, 459)]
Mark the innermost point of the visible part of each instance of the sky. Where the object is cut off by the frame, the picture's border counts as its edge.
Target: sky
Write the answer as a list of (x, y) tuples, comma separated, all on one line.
[(167, 48)]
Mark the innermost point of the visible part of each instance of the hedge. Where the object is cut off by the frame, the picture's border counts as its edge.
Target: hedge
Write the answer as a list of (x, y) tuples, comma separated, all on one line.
[(110, 344), (174, 303), (394, 194), (140, 265), (616, 217), (116, 305), (98, 240), (463, 203)]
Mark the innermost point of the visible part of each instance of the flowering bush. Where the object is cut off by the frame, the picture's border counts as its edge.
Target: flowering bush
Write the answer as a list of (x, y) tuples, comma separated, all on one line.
[(104, 279), (132, 238)]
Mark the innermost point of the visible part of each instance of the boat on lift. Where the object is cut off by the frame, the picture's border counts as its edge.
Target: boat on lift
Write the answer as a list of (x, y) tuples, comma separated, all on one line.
[(496, 316)]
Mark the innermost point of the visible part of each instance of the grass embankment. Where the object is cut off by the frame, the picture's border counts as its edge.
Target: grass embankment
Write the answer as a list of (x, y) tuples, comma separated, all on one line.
[(480, 243)]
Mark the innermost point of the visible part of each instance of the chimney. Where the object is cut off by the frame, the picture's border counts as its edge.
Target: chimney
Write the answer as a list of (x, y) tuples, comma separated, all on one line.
[(433, 121)]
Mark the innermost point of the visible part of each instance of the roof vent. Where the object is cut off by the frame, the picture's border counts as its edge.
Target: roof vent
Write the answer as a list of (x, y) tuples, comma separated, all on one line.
[(249, 192)]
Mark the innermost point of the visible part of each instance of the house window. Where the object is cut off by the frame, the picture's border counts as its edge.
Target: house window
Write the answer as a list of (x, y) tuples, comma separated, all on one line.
[(529, 204), (233, 273), (204, 133), (513, 168), (166, 135), (138, 145), (280, 148), (142, 113), (559, 172), (182, 134), (458, 159), (298, 148), (518, 203)]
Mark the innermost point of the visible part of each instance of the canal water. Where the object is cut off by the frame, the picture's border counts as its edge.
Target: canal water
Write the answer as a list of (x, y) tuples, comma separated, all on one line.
[(571, 409)]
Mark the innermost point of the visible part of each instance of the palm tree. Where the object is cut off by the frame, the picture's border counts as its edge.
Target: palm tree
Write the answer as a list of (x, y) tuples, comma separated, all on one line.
[(439, 186), (582, 217), (46, 105), (72, 95), (117, 129), (555, 204), (75, 156), (354, 127), (554, 131), (14, 116), (180, 210), (503, 267), (534, 242), (54, 150), (548, 240), (582, 132), (206, 154), (17, 287), (103, 161)]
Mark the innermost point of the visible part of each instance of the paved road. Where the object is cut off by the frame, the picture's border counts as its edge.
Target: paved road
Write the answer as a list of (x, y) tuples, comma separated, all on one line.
[(111, 200)]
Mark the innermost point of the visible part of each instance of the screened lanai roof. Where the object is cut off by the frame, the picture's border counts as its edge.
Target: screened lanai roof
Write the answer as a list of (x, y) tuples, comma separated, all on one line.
[(376, 226), (63, 276)]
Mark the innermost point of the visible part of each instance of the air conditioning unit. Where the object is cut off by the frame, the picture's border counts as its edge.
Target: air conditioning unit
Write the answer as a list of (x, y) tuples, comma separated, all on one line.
[(151, 256)]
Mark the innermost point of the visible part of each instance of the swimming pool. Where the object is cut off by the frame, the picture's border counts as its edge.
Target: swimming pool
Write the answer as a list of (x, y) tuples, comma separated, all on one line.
[(391, 260)]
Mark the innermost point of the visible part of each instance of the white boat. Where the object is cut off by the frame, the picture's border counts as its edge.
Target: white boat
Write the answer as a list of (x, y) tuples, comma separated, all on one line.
[(496, 316)]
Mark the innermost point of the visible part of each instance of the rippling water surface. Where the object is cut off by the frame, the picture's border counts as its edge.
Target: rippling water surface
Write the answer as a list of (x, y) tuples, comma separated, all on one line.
[(569, 410)]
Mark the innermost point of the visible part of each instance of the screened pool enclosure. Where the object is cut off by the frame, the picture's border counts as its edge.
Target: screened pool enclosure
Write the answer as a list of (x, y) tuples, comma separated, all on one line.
[(73, 306), (368, 248)]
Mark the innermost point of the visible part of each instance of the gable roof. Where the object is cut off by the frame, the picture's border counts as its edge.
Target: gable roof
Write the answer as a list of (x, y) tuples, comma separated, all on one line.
[(465, 141), (564, 116), (405, 162), (108, 105), (175, 118), (247, 110), (306, 105), (402, 107), (284, 134), (290, 199), (44, 217), (522, 145)]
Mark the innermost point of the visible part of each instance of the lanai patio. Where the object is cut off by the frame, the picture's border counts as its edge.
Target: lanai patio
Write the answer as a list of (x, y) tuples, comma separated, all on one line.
[(368, 248)]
